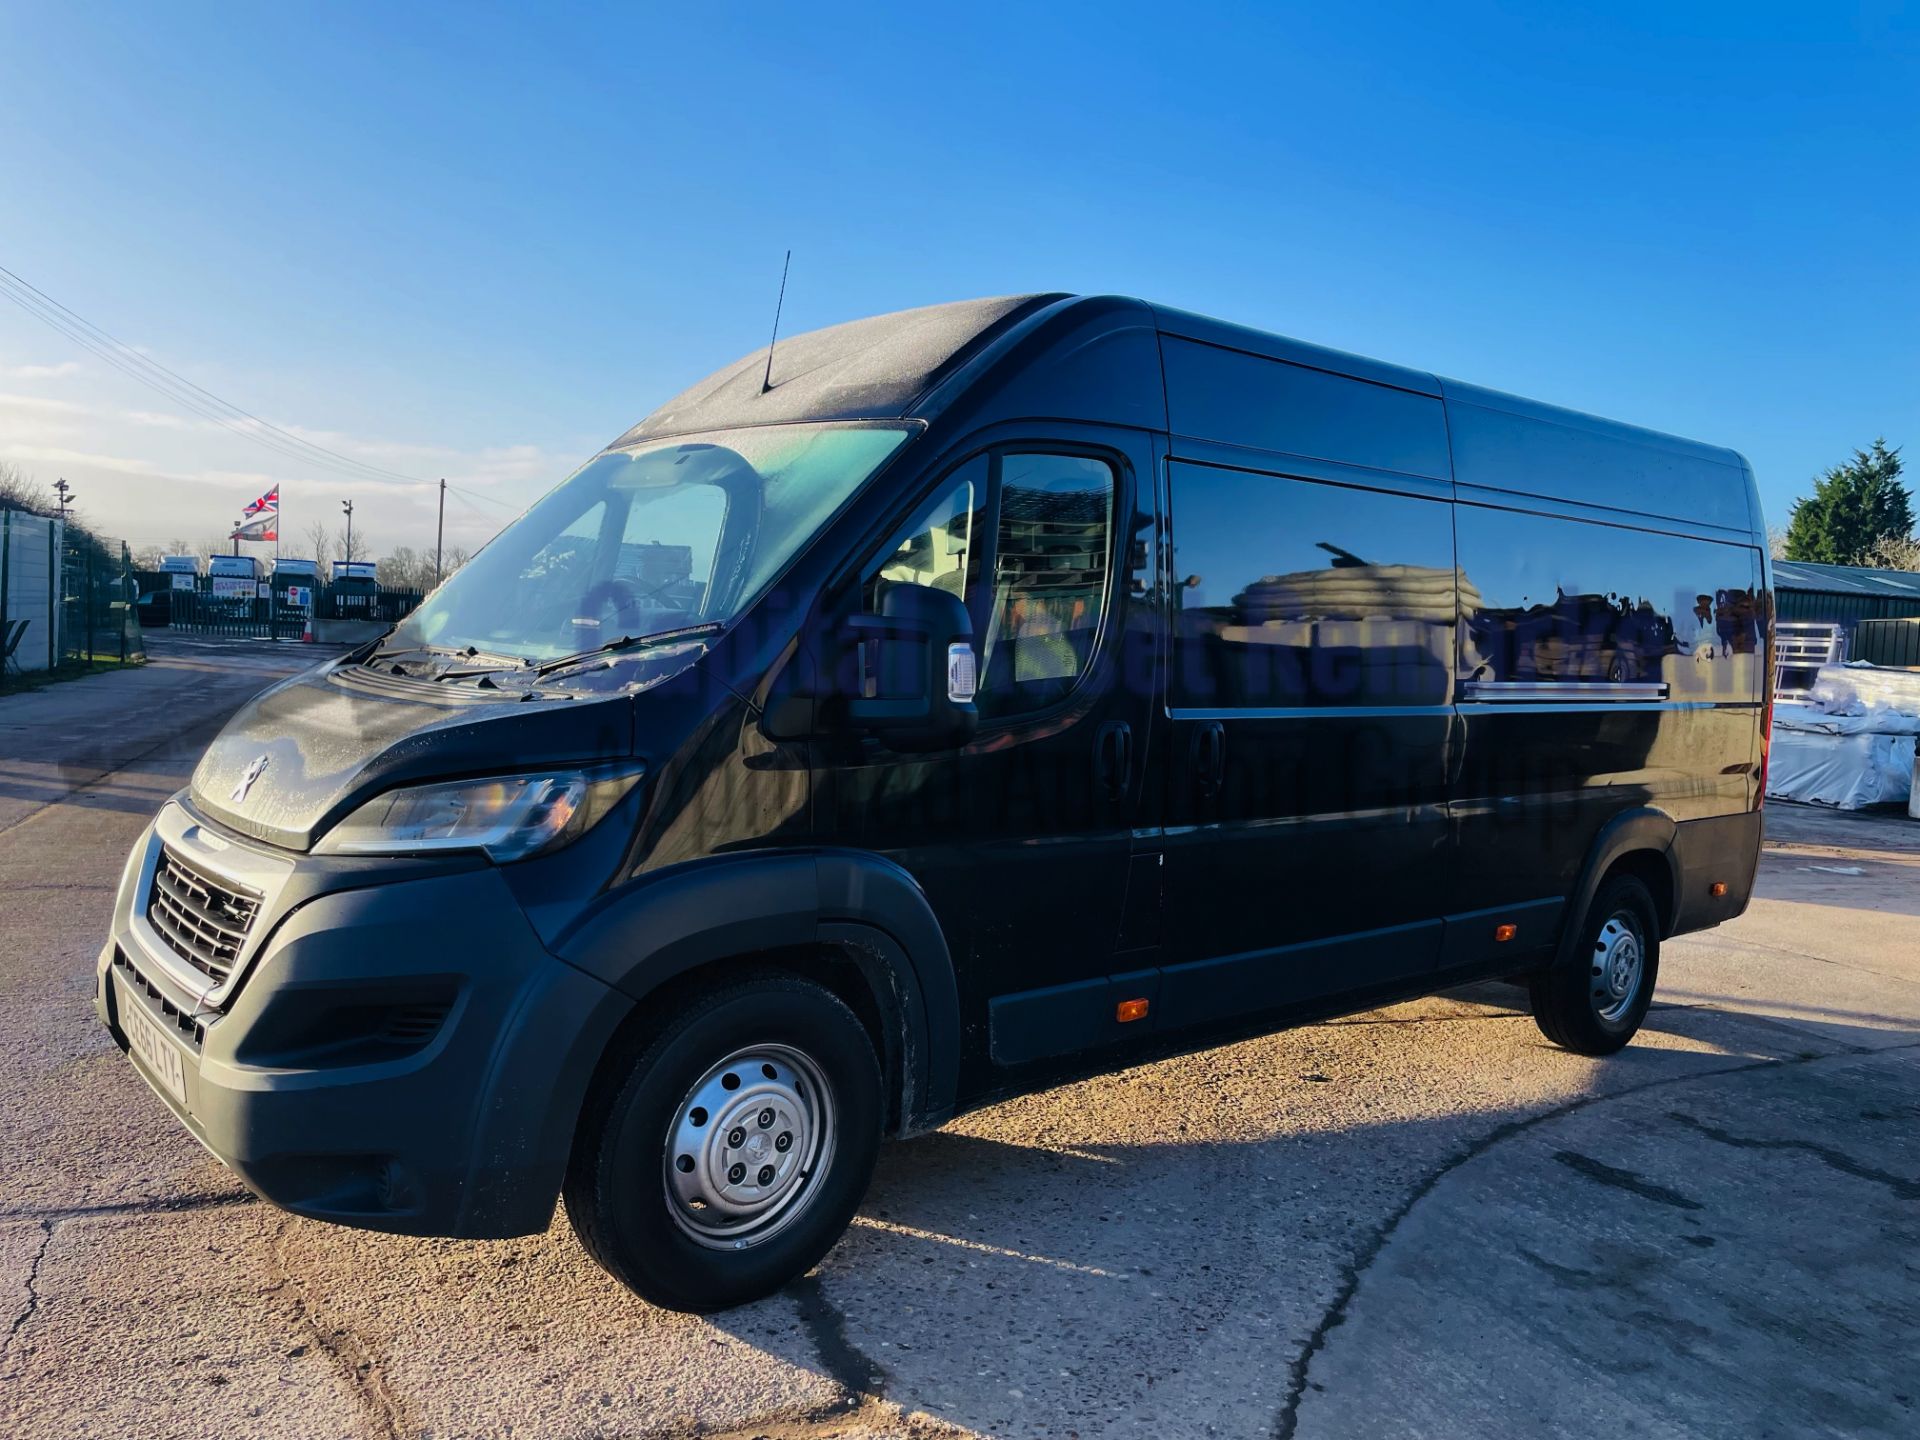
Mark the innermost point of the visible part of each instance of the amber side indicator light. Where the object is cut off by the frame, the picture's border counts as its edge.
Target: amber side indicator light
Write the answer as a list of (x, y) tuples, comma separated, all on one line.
[(1717, 889), (1504, 933), (1129, 1010)]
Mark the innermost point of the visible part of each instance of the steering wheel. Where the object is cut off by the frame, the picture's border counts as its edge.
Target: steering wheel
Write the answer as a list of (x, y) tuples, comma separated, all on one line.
[(608, 599)]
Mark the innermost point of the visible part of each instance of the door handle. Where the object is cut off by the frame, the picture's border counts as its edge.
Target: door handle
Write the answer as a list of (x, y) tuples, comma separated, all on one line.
[(1113, 759), (1209, 758)]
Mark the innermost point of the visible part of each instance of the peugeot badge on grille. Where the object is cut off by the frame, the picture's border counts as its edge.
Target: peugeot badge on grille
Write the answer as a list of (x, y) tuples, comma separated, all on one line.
[(247, 777)]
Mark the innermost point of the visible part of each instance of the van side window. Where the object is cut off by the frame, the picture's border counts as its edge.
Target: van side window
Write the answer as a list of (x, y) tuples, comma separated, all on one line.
[(936, 547), (1549, 600), (1051, 565), (1293, 593)]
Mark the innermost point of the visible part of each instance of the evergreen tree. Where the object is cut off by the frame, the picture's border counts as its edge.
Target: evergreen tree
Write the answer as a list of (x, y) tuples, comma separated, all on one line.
[(1854, 508)]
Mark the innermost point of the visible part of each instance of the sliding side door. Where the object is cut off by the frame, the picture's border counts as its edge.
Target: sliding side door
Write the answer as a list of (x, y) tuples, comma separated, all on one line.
[(1312, 647)]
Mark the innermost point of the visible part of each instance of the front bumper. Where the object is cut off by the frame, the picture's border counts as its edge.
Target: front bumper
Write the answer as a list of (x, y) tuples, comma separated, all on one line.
[(394, 1050)]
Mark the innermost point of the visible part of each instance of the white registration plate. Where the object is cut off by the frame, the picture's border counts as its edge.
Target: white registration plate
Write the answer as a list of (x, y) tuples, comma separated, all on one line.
[(159, 1057)]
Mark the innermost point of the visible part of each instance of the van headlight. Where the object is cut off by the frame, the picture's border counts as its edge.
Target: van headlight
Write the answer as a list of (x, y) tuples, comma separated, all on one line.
[(508, 816)]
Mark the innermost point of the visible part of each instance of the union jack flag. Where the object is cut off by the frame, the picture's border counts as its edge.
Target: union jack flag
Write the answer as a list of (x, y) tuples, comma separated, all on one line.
[(269, 501)]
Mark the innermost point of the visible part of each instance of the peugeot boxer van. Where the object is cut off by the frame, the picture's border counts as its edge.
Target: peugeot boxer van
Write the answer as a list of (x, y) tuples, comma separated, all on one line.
[(942, 706)]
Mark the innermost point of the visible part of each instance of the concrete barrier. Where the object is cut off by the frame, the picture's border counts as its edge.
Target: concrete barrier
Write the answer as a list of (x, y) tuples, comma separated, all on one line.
[(347, 632)]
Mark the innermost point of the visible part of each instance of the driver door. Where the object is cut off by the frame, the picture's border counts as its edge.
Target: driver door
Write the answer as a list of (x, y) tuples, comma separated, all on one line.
[(1021, 839)]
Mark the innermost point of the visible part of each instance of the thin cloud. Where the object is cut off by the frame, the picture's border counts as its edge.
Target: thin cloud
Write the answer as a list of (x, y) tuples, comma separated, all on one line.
[(146, 474), (161, 421), (14, 401), (60, 455), (41, 372)]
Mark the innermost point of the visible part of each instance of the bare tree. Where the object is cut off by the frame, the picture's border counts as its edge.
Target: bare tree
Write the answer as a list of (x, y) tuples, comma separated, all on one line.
[(20, 491), (319, 541), (1777, 541), (406, 569), (1895, 552), (409, 569)]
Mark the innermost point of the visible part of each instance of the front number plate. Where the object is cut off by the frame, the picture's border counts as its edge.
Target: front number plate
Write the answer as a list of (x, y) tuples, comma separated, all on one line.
[(158, 1056)]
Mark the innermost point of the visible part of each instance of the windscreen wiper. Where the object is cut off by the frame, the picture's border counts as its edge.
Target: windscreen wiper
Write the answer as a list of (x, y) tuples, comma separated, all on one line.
[(625, 642), (489, 664)]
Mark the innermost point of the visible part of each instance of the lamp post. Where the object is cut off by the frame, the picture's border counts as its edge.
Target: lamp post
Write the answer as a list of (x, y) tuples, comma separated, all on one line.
[(347, 505)]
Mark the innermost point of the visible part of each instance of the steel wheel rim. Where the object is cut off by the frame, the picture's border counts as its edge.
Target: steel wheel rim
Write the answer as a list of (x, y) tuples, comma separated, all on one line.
[(1619, 962), (748, 1145)]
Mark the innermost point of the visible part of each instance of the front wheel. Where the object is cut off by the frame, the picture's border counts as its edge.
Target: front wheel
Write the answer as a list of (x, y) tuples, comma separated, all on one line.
[(726, 1146), (1594, 1004)]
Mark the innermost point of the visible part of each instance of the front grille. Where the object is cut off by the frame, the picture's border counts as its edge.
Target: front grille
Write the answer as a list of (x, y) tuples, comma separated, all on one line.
[(192, 1029), (204, 921)]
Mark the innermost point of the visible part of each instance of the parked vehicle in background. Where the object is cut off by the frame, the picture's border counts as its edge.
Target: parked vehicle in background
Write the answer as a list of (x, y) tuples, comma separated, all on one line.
[(232, 579), (355, 590), (1008, 690), (154, 608), (299, 575), (185, 570)]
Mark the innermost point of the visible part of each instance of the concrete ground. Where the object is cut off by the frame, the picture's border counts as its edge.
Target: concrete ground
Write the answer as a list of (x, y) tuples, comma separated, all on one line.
[(1419, 1221)]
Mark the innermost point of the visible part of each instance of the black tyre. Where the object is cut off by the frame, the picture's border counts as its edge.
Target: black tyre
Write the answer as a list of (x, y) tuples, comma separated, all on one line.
[(725, 1147), (1594, 1004)]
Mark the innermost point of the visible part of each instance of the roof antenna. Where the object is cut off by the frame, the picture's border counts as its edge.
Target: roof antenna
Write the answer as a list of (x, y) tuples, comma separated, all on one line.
[(766, 383)]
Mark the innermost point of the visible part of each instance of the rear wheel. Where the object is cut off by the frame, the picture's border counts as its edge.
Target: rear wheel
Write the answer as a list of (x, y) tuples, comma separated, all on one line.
[(1594, 1004), (726, 1146)]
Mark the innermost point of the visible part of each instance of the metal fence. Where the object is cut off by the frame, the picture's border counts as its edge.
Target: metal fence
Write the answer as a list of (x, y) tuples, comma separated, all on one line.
[(1888, 642), (348, 602), (29, 593), (199, 613), (98, 619), (66, 598), (272, 617)]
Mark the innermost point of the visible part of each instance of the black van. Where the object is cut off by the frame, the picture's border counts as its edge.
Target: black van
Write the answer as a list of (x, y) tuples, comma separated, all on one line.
[(950, 703)]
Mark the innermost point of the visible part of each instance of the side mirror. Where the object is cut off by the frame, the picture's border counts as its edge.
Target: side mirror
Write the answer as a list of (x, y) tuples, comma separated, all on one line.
[(910, 671)]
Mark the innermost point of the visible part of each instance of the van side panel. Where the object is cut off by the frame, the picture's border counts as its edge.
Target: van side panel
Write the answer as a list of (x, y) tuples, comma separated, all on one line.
[(1657, 619), (1094, 361), (1311, 616), (1504, 443), (1214, 393)]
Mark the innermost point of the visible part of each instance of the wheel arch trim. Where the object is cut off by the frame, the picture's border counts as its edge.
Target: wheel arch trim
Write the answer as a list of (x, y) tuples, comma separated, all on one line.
[(1632, 831), (857, 904)]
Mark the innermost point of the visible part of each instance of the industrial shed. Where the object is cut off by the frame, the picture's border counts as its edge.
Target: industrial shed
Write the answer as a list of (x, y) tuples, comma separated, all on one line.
[(1843, 594)]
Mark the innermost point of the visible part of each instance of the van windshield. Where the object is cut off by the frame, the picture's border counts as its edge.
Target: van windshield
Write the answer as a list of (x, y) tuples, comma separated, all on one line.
[(653, 538)]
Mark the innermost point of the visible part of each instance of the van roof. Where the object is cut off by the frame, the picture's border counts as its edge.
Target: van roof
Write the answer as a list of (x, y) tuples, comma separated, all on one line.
[(863, 369), (890, 365)]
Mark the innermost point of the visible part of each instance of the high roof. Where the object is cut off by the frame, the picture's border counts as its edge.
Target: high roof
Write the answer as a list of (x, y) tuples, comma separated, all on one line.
[(1845, 579), (1114, 360), (864, 369)]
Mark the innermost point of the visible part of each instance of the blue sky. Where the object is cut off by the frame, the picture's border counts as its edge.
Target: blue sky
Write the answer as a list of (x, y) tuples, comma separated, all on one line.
[(458, 240)]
